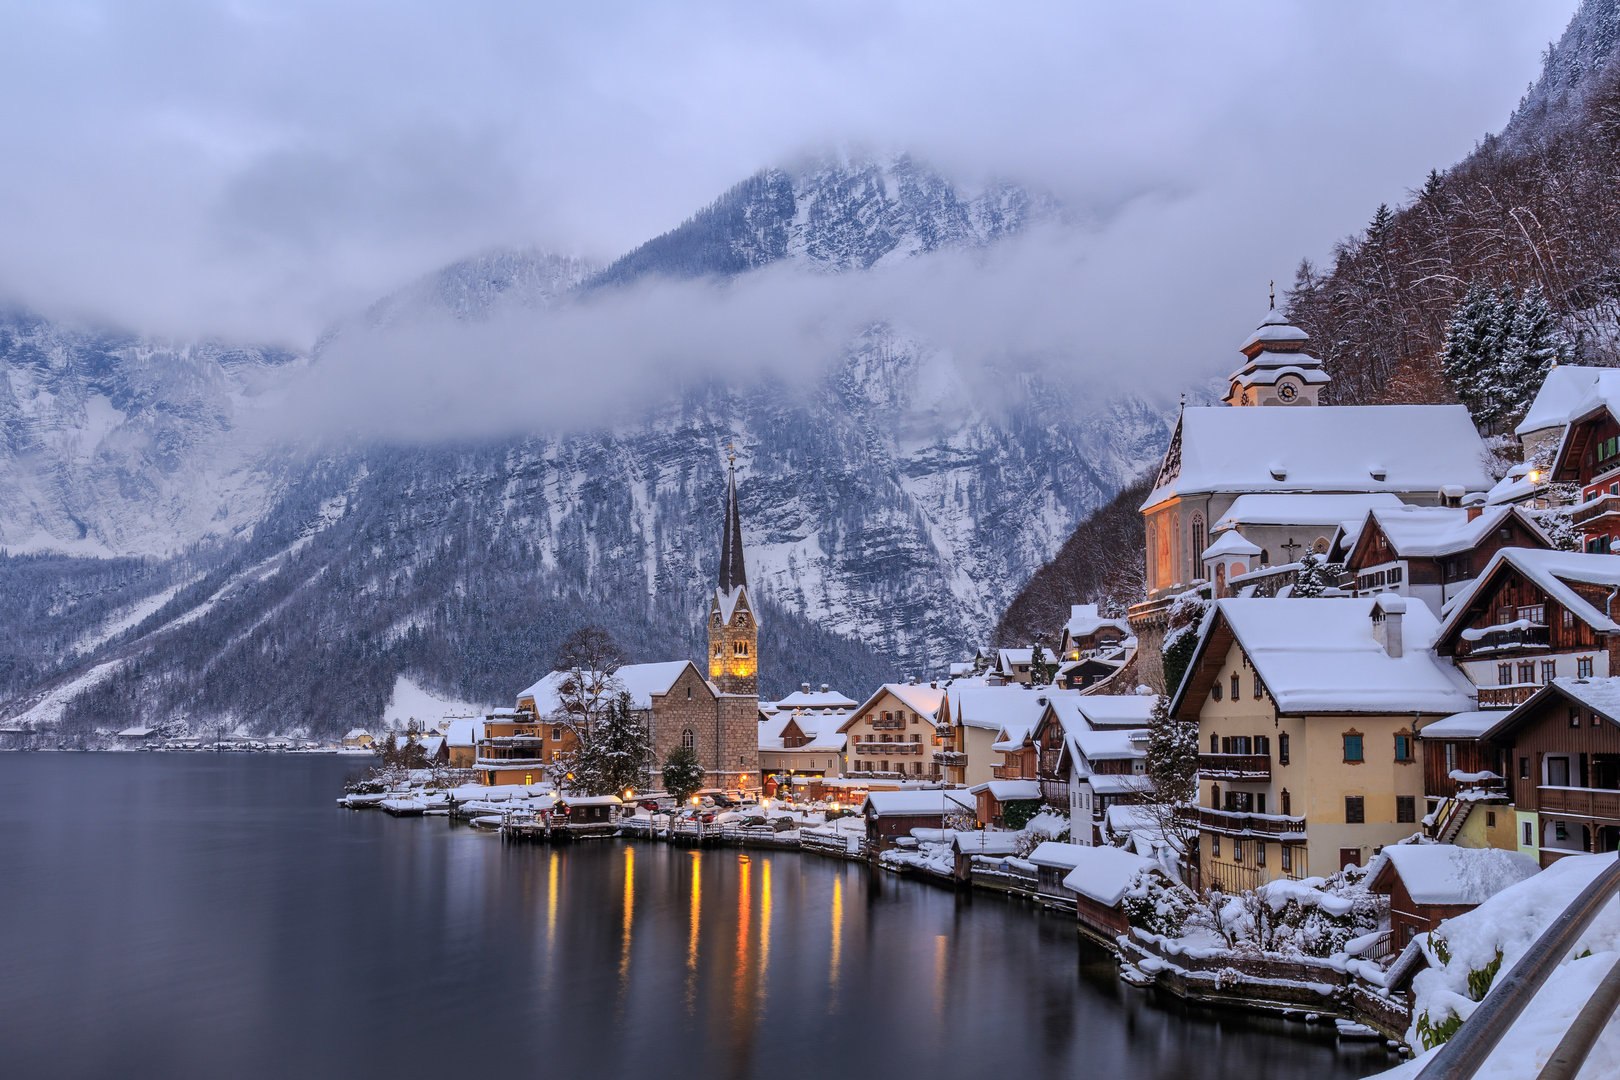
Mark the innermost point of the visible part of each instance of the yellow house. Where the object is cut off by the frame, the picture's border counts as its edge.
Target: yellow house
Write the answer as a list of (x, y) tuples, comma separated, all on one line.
[(895, 735), (1307, 715), (972, 718), (357, 739)]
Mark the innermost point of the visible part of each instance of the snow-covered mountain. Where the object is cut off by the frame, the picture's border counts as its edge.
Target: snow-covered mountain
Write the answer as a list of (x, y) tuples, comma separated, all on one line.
[(889, 512)]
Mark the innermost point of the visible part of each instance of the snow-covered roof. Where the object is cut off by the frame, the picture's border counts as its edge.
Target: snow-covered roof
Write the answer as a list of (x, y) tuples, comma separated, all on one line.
[(916, 803), (999, 707), (1010, 657), (1119, 784), (726, 600), (1116, 710), (135, 732), (1464, 725), (641, 680), (1275, 329), (1231, 542), (985, 842), (591, 800), (1563, 391), (356, 733), (430, 744), (1054, 853), (1104, 874), (1600, 695), (1296, 509), (1085, 621), (464, 731), (1445, 874), (1339, 448), (1320, 655), (922, 700), (822, 729), (808, 699), (1432, 531), (1113, 744), (1009, 790), (1551, 571)]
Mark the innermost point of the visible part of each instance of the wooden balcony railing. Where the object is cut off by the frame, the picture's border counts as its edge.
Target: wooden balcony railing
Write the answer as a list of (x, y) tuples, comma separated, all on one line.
[(1588, 512), (1517, 694), (888, 725), (951, 757), (1579, 802), (1055, 793), (892, 749), (1009, 772), (1508, 638), (1234, 766), (1237, 823)]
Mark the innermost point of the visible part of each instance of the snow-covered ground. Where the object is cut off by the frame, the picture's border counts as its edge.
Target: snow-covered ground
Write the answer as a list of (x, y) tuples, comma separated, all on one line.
[(412, 702)]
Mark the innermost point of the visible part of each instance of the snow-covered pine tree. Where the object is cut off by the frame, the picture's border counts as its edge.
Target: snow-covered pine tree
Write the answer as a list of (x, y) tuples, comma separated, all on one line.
[(1041, 673), (1499, 347), (613, 755), (1172, 770), (1470, 348), (683, 774), (1315, 576), (1533, 343)]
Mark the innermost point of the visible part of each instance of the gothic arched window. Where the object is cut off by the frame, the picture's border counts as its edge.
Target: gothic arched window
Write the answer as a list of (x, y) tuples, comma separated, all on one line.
[(739, 648), (688, 740), (1200, 538)]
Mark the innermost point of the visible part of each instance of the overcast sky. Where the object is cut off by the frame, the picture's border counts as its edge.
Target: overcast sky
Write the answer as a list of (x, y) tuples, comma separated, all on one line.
[(259, 169)]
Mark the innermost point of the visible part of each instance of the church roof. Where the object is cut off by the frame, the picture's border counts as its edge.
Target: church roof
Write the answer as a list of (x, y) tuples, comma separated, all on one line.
[(1275, 334), (641, 680), (1334, 448)]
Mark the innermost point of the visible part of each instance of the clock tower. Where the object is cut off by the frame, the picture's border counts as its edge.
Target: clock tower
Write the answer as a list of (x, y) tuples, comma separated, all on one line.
[(1278, 370)]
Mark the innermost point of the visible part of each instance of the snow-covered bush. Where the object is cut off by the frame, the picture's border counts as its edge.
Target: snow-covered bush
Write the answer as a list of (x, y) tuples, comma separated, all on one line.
[(1016, 815), (1311, 917), (1158, 905)]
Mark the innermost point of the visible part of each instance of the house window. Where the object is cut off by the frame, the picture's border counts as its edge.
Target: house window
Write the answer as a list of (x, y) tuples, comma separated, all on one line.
[(688, 740), (1583, 667), (1569, 619), (1560, 831), (717, 650), (1214, 744), (739, 648), (1237, 851), (1524, 768), (688, 693), (1282, 751), (1403, 748), (1235, 690), (1259, 853), (1199, 539), (1259, 687), (1504, 674), (1215, 845), (1287, 859), (1355, 810), (1287, 806), (1490, 819), (1529, 836), (1527, 671), (556, 733), (1574, 716), (1451, 757), (1405, 809), (1534, 613), (1352, 747), (1215, 691), (1262, 745), (1215, 796), (1549, 670), (916, 766)]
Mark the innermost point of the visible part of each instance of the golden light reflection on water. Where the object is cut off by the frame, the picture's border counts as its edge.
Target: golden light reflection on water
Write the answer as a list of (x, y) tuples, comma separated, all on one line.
[(939, 975), (764, 925), (743, 912), (629, 915), (551, 904), (837, 940), (695, 915)]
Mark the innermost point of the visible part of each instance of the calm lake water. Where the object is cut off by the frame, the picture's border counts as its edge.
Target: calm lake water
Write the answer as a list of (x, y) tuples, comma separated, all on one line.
[(201, 915)]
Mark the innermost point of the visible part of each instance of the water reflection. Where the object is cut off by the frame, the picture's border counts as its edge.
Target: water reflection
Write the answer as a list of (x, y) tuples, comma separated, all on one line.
[(274, 936)]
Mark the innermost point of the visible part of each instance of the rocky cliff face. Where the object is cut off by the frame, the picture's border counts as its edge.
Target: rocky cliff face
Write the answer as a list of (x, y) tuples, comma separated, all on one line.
[(889, 512)]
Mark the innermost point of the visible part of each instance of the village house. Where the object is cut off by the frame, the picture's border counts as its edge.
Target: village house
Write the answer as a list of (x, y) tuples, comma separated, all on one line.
[(890, 815), (893, 735), (1308, 711), (1563, 395), (1589, 455), (1533, 616), (358, 739), (1261, 530), (1563, 748), (1430, 553), (801, 743), (1012, 665), (1087, 633), (1427, 883), (1464, 785), (805, 700), (1091, 753), (1090, 671), (972, 719), (1054, 861), (992, 798), (1098, 883)]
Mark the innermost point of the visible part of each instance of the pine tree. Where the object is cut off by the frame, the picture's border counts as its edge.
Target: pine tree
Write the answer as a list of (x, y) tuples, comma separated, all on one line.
[(1314, 578), (683, 774), (614, 755), (1470, 349), (1172, 770), (1040, 672), (1499, 347)]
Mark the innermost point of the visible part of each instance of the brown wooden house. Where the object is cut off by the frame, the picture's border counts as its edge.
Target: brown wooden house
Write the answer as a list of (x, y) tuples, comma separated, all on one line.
[(1533, 616), (1563, 746), (1426, 883), (1589, 455), (1430, 553)]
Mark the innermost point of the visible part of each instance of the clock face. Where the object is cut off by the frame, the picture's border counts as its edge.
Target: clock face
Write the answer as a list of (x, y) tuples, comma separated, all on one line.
[(1287, 391)]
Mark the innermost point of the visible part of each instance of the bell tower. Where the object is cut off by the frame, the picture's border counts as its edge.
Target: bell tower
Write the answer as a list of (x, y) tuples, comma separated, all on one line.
[(733, 631), (1277, 370)]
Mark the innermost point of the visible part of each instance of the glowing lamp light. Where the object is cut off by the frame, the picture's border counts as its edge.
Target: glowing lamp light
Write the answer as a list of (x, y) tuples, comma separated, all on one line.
[(1535, 476)]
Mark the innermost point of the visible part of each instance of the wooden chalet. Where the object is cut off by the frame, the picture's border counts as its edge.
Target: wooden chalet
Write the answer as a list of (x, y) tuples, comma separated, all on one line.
[(1589, 455), (1563, 747), (1533, 616), (1427, 883), (1432, 552)]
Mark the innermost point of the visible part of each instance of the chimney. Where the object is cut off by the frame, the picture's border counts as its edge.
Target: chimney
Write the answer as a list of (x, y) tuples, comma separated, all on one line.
[(1474, 512), (1387, 611), (823, 688), (804, 688)]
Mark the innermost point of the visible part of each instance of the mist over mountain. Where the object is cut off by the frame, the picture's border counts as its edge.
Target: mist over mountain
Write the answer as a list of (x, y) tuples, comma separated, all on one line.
[(895, 494)]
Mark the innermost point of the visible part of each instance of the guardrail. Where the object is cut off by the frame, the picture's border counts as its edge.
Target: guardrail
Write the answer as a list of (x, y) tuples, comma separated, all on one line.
[(1466, 1051)]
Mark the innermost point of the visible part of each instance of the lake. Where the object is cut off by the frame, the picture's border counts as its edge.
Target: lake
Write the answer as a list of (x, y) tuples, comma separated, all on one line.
[(216, 915)]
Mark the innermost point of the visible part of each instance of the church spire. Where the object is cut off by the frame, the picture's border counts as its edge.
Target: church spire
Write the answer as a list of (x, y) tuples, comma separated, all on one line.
[(732, 574)]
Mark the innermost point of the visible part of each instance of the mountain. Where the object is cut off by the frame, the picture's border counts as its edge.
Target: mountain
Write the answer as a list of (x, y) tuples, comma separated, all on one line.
[(1535, 206), (891, 508)]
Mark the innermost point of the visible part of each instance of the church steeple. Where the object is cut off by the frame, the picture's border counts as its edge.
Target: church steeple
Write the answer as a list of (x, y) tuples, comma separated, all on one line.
[(732, 573)]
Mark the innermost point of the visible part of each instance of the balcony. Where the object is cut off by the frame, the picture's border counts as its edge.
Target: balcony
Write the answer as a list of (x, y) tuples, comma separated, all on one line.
[(1506, 638), (1589, 513), (1501, 696), (952, 758), (888, 725), (1009, 772), (1237, 823), (1055, 793), (1579, 802), (892, 749), (1234, 766)]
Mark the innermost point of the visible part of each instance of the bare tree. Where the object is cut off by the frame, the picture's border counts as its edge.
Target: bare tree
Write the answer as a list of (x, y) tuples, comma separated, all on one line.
[(587, 661)]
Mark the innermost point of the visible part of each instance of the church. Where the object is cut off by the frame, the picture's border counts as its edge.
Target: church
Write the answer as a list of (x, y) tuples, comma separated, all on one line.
[(715, 714)]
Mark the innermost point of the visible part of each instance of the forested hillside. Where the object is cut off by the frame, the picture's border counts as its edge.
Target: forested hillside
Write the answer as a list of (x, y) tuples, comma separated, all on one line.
[(1535, 206)]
